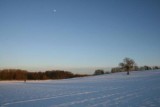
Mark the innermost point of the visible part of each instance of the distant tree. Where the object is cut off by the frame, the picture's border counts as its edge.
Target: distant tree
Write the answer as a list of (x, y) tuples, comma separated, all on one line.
[(135, 68), (127, 64), (156, 67), (116, 69), (98, 72), (147, 67)]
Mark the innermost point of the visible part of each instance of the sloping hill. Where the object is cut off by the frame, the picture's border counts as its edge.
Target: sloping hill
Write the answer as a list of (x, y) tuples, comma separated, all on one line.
[(140, 89)]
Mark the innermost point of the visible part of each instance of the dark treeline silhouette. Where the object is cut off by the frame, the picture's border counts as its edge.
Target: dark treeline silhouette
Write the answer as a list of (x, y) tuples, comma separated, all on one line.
[(17, 74), (135, 68), (59, 74), (120, 69), (127, 65)]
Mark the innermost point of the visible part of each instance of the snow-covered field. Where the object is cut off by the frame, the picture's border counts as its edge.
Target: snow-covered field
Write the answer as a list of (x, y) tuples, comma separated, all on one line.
[(140, 89)]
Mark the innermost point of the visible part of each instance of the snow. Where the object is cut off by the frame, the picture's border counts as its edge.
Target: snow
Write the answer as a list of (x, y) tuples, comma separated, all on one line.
[(140, 89)]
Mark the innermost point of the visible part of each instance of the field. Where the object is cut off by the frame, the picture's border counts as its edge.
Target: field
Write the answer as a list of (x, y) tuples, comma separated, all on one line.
[(140, 89)]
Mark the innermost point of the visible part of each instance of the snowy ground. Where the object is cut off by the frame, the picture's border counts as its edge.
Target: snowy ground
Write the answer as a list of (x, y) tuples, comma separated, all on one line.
[(140, 89)]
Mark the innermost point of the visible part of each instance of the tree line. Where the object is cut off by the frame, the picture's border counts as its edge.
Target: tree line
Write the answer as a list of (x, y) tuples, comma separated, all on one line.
[(18, 74), (135, 68), (127, 65)]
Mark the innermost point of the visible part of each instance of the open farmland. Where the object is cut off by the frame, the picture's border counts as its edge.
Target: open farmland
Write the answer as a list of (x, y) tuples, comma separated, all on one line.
[(140, 89)]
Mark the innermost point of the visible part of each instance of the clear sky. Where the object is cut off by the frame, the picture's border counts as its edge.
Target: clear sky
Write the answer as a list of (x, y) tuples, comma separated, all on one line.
[(78, 35)]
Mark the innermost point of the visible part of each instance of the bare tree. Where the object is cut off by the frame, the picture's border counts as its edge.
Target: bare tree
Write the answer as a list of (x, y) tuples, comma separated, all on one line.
[(127, 64)]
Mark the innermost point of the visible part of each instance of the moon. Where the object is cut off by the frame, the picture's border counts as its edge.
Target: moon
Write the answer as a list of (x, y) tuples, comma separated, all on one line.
[(54, 11)]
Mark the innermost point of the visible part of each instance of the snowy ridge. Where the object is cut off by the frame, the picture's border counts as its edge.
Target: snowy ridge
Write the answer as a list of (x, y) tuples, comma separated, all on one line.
[(140, 89)]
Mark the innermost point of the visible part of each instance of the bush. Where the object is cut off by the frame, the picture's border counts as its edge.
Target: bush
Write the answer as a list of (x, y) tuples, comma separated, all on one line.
[(98, 72)]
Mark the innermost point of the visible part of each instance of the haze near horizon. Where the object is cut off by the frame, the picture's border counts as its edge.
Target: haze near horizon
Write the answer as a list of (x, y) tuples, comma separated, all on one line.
[(78, 35)]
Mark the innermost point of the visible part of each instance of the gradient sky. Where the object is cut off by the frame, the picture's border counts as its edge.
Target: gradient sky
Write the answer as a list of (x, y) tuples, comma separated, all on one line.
[(78, 35)]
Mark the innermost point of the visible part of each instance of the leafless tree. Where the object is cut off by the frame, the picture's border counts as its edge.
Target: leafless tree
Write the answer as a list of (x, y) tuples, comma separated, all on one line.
[(127, 64)]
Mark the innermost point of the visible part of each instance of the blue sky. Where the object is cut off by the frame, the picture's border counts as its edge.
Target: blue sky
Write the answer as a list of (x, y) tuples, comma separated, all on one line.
[(80, 36)]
